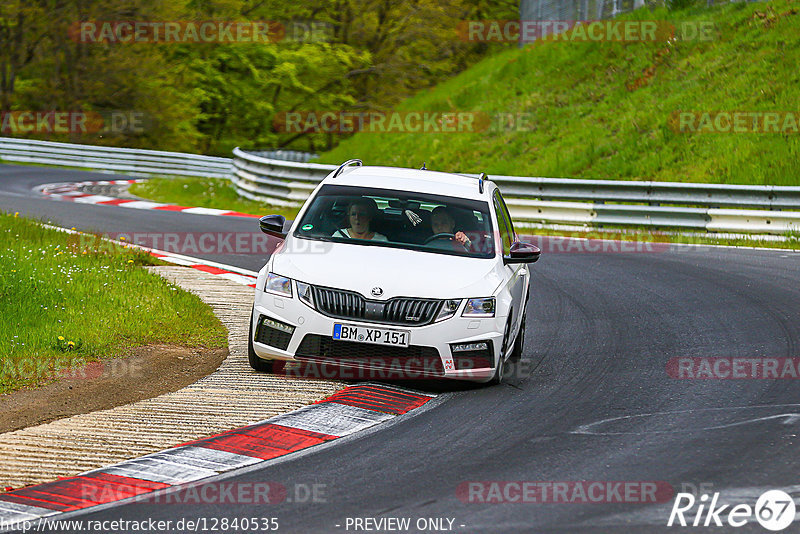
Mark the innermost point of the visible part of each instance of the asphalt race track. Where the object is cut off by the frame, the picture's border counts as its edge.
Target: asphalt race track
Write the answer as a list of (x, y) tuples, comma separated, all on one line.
[(591, 401)]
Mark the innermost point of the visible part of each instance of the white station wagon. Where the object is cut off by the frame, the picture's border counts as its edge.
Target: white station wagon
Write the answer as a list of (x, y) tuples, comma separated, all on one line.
[(400, 272)]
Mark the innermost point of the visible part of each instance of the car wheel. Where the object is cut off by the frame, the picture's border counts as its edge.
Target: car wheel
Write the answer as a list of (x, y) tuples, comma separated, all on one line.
[(519, 344), (501, 364), (263, 366)]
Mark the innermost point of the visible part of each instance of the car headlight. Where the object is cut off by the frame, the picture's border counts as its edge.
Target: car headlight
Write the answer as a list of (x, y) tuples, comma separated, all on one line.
[(449, 309), (279, 285), (479, 307), (305, 293)]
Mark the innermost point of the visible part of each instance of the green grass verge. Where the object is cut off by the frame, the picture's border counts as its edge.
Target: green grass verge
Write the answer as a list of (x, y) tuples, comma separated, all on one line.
[(603, 110), (205, 193), (67, 300)]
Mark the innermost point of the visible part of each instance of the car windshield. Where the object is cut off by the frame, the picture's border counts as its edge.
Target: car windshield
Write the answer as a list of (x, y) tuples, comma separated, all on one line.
[(399, 219)]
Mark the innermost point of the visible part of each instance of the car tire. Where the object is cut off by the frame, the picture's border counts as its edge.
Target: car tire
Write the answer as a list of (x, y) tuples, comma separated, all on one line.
[(519, 343), (497, 378), (262, 366), (499, 370)]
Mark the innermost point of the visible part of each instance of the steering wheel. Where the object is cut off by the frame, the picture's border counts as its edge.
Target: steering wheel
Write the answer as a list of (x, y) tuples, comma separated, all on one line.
[(445, 235)]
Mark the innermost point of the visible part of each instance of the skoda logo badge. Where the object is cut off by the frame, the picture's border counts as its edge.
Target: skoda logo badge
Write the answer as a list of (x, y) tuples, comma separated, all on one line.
[(377, 292)]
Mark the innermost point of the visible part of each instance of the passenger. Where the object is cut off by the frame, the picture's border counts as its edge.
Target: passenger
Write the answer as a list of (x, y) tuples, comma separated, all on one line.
[(442, 222), (360, 214)]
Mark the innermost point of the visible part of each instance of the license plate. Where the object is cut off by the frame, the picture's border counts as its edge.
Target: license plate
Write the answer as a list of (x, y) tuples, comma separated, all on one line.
[(377, 336)]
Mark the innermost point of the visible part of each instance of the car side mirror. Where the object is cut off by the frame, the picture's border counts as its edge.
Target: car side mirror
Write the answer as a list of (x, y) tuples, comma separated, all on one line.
[(522, 253), (273, 225)]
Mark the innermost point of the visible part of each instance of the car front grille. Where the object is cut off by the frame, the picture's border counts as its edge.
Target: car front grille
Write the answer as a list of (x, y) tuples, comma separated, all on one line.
[(341, 304), (338, 303), (410, 311), (398, 362)]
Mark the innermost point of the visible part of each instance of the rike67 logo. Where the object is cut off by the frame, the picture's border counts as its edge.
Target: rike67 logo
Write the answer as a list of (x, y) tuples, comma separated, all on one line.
[(774, 510)]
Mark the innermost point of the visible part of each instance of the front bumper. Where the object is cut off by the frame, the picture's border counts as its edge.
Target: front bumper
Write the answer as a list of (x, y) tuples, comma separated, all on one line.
[(303, 334)]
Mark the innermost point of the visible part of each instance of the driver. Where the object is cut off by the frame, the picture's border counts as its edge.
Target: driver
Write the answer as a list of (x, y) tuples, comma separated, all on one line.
[(443, 222)]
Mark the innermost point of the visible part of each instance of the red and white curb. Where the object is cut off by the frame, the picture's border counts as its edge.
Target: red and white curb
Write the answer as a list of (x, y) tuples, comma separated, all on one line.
[(229, 272), (346, 412), (72, 192)]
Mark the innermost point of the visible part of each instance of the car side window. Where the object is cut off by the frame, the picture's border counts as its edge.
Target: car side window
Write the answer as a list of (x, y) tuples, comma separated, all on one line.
[(511, 232), (503, 223)]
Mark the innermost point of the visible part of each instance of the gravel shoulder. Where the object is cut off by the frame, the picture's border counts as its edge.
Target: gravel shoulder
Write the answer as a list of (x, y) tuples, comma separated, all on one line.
[(231, 396), (147, 372)]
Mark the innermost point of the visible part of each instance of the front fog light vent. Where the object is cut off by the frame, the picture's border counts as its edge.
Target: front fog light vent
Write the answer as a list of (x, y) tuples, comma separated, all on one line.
[(274, 333), (277, 325), (474, 355), (470, 347)]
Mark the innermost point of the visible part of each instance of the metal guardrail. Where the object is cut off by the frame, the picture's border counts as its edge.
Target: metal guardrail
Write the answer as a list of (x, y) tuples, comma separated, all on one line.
[(676, 205), (584, 10), (281, 183), (573, 10), (689, 206), (110, 159), (284, 155), (653, 193), (712, 207)]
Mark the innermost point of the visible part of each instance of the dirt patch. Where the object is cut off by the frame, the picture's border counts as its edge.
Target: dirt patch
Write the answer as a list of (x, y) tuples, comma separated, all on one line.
[(148, 372)]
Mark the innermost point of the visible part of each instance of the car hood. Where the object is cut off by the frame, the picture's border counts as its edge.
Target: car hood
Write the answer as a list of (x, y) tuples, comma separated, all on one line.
[(400, 273)]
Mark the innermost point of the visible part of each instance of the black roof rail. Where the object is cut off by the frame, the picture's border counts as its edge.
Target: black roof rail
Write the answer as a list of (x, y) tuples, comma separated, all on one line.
[(345, 164), (482, 177)]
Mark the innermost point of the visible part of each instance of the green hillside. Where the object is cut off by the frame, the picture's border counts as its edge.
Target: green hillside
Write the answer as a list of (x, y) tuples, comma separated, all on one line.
[(606, 110)]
